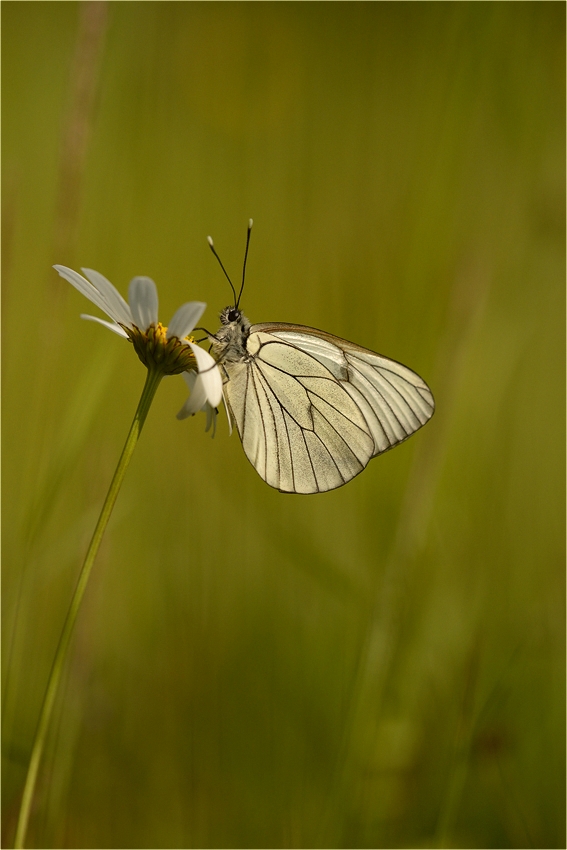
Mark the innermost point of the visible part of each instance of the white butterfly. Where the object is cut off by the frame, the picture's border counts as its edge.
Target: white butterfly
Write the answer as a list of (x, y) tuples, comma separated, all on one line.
[(312, 409)]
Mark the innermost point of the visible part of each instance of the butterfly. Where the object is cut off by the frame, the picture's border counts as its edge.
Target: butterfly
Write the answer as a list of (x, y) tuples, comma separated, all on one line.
[(312, 409)]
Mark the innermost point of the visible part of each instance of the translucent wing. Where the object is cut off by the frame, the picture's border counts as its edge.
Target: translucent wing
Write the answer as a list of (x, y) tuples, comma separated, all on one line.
[(312, 409)]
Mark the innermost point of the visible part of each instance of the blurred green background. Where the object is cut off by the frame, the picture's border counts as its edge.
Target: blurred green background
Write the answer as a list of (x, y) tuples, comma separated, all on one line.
[(380, 666)]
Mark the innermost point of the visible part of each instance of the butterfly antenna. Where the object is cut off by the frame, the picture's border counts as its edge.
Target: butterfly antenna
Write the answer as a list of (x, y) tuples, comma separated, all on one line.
[(212, 247), (250, 223)]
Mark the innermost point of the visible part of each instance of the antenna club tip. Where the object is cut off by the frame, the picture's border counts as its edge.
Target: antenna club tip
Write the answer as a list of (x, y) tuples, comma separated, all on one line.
[(210, 240), (250, 223)]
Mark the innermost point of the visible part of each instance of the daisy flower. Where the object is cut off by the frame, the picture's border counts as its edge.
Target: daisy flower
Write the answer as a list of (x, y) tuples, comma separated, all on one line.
[(164, 351), (168, 350)]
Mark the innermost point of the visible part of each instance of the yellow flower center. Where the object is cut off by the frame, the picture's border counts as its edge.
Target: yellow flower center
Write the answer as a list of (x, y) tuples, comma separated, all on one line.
[(170, 356)]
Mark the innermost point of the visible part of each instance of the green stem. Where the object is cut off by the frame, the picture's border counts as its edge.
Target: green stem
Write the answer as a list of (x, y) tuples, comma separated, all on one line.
[(153, 379)]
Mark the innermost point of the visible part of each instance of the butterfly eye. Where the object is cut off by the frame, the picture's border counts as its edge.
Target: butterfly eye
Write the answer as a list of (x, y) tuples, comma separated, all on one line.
[(233, 315)]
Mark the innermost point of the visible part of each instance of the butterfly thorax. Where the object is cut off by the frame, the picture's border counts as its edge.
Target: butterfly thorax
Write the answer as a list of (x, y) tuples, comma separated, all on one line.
[(229, 342)]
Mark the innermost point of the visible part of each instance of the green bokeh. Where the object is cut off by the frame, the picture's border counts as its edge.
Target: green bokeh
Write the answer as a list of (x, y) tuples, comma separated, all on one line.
[(380, 666)]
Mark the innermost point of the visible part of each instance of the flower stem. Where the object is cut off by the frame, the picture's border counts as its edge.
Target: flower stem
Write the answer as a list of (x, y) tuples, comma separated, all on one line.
[(153, 379)]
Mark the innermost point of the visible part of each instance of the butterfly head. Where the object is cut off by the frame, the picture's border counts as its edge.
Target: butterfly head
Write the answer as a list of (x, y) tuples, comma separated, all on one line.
[(234, 323), (230, 315)]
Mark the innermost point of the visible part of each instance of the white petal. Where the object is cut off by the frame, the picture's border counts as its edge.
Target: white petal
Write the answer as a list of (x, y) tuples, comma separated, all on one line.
[(212, 415), (185, 411), (197, 398), (184, 320), (189, 378), (84, 287), (143, 298), (203, 358), (210, 374), (111, 326), (116, 307)]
